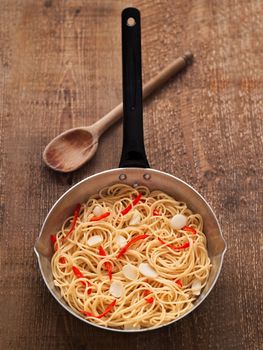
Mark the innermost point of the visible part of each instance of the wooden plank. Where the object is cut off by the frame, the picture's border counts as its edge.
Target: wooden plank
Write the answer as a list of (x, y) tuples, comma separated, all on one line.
[(60, 66)]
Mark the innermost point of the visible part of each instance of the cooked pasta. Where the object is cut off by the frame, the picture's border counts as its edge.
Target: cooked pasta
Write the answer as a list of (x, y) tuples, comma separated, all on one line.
[(130, 258)]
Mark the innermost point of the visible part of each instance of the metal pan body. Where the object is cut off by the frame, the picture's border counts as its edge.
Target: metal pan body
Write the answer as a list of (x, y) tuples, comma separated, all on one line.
[(155, 180)]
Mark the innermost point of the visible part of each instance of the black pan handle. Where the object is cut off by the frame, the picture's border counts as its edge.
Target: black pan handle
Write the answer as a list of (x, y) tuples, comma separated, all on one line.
[(133, 152)]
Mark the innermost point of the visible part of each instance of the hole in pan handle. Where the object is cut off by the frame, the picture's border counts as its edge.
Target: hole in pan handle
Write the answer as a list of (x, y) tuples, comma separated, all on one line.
[(133, 151)]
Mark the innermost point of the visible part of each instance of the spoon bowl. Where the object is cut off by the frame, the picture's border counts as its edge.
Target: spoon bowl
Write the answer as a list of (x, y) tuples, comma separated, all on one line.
[(71, 149)]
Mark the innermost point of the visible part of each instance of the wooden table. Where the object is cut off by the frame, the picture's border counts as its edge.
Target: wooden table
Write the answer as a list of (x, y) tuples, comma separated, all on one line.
[(61, 67)]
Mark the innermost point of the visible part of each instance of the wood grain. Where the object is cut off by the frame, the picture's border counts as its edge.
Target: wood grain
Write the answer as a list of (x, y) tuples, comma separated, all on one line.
[(60, 65)]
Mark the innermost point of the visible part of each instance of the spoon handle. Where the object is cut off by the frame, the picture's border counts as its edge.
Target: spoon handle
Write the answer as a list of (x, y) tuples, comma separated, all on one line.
[(152, 85)]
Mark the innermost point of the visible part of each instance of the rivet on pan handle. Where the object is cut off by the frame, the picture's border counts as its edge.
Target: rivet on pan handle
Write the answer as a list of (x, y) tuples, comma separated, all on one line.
[(133, 152)]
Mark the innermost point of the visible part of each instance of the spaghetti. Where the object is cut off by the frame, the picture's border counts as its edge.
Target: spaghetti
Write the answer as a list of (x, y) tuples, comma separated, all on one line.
[(130, 258)]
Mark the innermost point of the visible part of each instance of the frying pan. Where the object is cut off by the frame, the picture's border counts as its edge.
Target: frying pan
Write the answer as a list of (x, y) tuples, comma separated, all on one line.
[(133, 170)]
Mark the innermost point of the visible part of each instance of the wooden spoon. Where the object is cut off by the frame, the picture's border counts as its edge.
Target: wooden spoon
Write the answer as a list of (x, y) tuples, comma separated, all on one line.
[(74, 147)]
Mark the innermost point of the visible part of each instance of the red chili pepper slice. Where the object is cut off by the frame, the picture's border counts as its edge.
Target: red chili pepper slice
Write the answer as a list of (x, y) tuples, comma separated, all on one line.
[(189, 229), (107, 264), (62, 260), (168, 245), (149, 300), (103, 216), (134, 202), (107, 310), (89, 289), (146, 292), (133, 240), (87, 313), (137, 199), (53, 239), (126, 210), (102, 251), (179, 282), (156, 212), (109, 268), (185, 245), (76, 214), (79, 274)]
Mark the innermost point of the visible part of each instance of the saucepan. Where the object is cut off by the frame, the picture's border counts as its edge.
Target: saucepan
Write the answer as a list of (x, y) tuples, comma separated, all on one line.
[(133, 170)]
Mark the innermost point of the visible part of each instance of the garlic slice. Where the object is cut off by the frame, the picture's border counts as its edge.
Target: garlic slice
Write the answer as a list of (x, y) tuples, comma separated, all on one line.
[(146, 270), (130, 271), (178, 221), (56, 283), (196, 286), (94, 241), (116, 289), (121, 241), (97, 211), (135, 219)]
